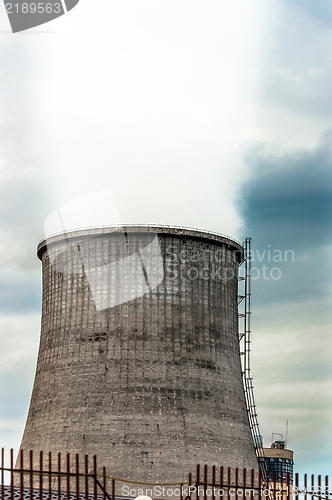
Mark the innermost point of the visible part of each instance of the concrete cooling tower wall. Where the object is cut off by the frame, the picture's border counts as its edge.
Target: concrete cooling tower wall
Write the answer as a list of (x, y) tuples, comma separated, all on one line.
[(139, 357)]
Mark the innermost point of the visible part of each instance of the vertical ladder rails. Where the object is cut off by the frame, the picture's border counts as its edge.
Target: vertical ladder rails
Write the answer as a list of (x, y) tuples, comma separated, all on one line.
[(244, 315)]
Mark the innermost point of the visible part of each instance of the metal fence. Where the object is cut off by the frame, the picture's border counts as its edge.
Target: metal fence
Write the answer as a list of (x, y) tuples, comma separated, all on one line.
[(46, 476)]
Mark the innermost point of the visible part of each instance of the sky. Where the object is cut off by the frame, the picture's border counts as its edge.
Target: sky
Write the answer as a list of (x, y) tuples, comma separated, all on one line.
[(214, 115)]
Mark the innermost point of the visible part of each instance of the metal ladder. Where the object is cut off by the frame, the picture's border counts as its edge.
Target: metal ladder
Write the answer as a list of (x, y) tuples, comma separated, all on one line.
[(244, 322)]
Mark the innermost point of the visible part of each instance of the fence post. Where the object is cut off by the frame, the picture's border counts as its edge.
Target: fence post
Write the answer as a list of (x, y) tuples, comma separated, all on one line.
[(213, 481), (197, 480), (21, 472), (221, 477), (95, 476), (236, 482), (11, 466), (259, 484), (113, 489), (41, 474), (104, 483), (49, 474), (11, 474), (2, 472), (31, 473), (77, 463), (59, 476), (244, 483), (68, 474), (326, 487), (305, 486), (205, 479), (252, 484), (297, 485), (228, 482), (189, 484), (86, 477)]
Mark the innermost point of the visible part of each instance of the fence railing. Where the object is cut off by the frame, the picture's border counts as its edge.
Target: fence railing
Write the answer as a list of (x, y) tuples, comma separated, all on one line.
[(49, 476)]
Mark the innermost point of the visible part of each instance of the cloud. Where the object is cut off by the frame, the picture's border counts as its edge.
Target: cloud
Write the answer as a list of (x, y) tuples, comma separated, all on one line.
[(19, 336), (292, 341), (19, 340), (290, 90), (320, 12), (294, 190), (288, 206), (287, 209), (23, 200), (291, 352), (20, 292), (25, 191)]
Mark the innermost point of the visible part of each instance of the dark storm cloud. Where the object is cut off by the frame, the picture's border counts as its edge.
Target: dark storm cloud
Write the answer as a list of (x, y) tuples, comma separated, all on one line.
[(292, 193), (288, 206)]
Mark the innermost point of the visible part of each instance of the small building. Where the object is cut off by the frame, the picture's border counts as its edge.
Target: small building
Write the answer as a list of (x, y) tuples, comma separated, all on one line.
[(279, 462)]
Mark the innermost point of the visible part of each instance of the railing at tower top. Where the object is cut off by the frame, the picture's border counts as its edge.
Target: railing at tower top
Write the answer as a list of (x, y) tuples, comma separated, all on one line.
[(245, 350), (46, 476), (150, 226)]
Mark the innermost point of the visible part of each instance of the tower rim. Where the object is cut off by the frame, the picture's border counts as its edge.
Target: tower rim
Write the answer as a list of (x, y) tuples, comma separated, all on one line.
[(95, 231)]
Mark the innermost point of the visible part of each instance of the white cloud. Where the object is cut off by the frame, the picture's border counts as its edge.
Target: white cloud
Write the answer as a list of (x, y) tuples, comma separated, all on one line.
[(291, 352), (19, 335), (19, 340), (147, 104), (292, 77)]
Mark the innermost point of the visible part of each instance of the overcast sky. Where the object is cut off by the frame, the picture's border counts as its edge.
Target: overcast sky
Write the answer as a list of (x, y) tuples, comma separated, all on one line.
[(214, 115)]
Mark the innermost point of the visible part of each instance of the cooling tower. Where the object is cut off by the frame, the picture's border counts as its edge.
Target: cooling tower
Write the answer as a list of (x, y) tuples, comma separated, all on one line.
[(139, 357)]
